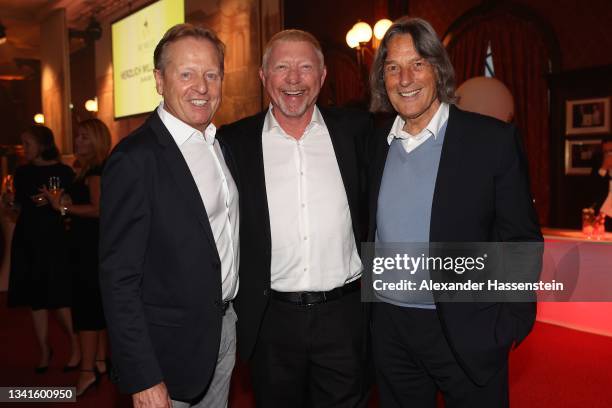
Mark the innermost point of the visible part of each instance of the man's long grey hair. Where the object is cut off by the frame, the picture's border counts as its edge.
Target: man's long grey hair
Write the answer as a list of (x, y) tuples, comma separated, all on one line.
[(427, 46)]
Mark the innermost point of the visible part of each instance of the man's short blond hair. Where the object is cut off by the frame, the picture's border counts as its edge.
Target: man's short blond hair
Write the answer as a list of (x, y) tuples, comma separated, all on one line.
[(185, 30), (295, 36)]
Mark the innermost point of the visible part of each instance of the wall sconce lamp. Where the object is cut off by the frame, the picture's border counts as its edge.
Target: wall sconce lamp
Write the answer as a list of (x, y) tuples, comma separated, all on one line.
[(360, 35), (39, 118), (380, 28), (91, 105)]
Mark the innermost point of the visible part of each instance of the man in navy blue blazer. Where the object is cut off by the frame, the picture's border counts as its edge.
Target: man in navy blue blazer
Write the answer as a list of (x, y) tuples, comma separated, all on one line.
[(169, 237)]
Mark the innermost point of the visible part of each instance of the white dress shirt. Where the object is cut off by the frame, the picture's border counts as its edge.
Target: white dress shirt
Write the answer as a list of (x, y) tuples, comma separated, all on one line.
[(313, 244), (411, 142), (217, 189)]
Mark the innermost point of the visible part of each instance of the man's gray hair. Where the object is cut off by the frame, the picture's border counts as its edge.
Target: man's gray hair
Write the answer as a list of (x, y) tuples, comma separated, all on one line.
[(428, 46)]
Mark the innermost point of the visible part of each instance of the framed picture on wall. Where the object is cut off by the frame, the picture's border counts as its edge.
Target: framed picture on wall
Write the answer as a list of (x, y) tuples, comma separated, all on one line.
[(580, 156), (587, 116)]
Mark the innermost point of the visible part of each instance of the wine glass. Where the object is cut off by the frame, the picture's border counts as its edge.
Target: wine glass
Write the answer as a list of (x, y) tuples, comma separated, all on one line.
[(54, 184)]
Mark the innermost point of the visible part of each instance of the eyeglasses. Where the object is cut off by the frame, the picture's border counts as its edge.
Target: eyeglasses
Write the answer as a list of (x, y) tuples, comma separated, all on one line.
[(416, 67)]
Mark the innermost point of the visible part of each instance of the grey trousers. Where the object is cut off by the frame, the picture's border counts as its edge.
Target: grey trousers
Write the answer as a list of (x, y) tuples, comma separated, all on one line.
[(218, 390)]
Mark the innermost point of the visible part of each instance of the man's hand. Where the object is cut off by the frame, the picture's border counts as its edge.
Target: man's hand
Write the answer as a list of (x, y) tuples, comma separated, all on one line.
[(154, 397)]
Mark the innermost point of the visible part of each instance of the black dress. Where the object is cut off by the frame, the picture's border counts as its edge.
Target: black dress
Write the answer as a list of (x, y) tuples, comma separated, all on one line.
[(39, 277), (87, 313)]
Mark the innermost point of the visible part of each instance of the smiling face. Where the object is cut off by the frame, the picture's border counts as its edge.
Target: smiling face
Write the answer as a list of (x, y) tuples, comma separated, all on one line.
[(31, 149), (293, 77), (410, 82), (83, 144), (190, 81)]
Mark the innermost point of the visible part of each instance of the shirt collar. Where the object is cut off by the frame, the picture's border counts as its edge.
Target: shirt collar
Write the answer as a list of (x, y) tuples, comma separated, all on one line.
[(436, 123), (271, 124), (180, 131)]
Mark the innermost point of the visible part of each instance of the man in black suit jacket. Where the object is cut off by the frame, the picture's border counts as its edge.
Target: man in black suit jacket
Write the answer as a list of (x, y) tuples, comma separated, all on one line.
[(443, 175), (169, 237), (301, 182)]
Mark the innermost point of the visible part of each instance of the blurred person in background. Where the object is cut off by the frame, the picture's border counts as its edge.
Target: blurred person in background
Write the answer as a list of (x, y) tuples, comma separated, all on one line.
[(602, 173), (81, 202), (39, 278)]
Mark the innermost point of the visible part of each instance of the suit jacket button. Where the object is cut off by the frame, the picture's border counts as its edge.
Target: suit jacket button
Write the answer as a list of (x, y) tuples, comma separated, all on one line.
[(266, 292)]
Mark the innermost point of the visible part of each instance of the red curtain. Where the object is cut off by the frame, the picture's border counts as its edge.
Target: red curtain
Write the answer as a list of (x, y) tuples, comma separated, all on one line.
[(521, 62), (468, 53)]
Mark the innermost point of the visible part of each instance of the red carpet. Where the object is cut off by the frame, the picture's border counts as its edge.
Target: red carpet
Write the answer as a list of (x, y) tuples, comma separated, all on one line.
[(554, 367)]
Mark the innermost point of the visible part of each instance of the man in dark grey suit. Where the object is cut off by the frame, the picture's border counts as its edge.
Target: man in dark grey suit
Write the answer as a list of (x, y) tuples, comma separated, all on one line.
[(169, 237)]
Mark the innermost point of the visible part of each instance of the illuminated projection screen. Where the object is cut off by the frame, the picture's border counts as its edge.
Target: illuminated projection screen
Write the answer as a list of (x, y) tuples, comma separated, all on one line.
[(134, 39)]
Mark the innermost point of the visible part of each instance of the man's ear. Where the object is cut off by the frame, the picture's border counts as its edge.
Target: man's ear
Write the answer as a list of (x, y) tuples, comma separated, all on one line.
[(159, 81), (262, 76)]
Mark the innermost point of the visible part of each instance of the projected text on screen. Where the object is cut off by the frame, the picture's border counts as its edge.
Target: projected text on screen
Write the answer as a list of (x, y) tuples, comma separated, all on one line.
[(134, 39)]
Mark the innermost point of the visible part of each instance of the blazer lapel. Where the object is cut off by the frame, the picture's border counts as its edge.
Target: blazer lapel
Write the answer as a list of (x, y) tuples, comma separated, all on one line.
[(377, 169), (259, 177), (446, 170), (346, 157), (179, 169), (341, 149)]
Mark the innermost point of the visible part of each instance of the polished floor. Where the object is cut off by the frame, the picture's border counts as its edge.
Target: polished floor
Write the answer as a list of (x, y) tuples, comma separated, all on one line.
[(554, 367)]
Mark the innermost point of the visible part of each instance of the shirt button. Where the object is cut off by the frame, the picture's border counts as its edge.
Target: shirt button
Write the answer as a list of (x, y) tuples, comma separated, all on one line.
[(305, 269), (305, 238), (303, 205)]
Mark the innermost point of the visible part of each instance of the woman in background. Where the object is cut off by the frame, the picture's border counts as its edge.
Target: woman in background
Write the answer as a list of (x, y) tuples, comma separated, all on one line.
[(39, 278), (81, 204)]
